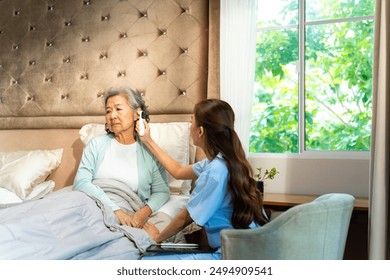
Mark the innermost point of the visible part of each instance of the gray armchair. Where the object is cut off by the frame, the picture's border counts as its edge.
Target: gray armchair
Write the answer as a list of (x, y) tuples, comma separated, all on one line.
[(312, 231)]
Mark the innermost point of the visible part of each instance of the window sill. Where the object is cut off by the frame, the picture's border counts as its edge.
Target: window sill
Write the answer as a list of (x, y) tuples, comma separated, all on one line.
[(356, 155)]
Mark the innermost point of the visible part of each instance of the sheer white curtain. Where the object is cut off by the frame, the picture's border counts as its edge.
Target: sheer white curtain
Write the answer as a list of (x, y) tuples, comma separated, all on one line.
[(237, 64), (380, 144)]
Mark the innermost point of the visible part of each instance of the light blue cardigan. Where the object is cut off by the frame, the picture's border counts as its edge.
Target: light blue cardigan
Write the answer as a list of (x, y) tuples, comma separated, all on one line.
[(152, 178)]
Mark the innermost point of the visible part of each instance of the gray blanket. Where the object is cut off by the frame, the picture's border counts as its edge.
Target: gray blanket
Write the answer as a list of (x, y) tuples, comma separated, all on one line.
[(130, 202), (68, 224), (119, 192)]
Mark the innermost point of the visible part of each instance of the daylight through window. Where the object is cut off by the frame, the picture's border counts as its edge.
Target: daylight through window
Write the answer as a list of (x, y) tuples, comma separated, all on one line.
[(321, 102)]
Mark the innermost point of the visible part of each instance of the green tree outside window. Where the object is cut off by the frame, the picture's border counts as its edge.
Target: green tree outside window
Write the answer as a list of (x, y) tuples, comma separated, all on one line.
[(338, 51)]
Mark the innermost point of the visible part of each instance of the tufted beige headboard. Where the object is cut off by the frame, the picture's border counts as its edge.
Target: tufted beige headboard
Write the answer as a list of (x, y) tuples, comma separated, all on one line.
[(58, 57)]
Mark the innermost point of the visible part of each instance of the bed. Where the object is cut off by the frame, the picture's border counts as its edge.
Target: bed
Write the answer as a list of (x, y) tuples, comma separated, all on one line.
[(56, 62), (42, 217)]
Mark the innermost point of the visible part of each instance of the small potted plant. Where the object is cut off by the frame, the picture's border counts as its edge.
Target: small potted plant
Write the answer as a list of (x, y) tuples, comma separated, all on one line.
[(261, 176)]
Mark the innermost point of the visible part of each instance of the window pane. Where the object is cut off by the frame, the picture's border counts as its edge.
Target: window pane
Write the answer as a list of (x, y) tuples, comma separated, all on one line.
[(277, 13), (338, 86), (337, 72), (274, 124), (338, 9)]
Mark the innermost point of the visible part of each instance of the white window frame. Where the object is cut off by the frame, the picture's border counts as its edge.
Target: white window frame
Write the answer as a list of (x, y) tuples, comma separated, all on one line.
[(237, 86)]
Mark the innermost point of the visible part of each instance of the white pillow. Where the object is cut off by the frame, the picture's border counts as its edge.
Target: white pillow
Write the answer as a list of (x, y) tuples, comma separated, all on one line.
[(41, 190), (173, 138), (7, 197), (89, 131), (21, 171), (174, 205)]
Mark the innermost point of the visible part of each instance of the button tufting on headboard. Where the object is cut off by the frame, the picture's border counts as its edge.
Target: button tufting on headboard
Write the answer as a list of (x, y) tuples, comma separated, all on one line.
[(84, 76), (103, 55), (122, 35), (121, 74), (73, 51)]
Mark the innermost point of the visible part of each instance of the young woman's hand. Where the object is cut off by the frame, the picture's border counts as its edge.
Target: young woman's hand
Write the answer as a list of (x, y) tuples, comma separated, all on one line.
[(146, 137), (151, 230)]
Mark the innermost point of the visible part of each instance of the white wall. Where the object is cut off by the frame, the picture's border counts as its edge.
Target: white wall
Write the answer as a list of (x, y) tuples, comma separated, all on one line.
[(315, 176)]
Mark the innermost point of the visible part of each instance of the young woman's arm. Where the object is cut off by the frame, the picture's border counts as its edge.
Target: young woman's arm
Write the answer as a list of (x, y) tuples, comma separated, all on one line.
[(181, 220), (173, 167)]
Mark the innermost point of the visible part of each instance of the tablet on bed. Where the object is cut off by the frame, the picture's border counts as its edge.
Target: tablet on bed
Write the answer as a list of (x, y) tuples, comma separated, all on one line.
[(183, 248)]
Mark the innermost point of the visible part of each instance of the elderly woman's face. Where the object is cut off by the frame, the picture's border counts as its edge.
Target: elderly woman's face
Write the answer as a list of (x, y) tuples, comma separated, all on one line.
[(119, 116)]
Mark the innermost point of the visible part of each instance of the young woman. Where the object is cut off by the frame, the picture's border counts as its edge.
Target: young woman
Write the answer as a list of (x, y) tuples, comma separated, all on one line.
[(225, 194)]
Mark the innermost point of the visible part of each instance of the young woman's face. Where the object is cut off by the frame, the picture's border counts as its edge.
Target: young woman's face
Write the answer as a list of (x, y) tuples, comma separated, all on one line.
[(119, 116), (194, 131)]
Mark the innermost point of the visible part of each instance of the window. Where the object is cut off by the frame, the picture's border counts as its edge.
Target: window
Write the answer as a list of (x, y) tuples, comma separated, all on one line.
[(321, 102)]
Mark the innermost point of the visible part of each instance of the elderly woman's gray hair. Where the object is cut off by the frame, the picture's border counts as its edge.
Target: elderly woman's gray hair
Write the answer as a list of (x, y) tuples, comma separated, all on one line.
[(133, 97)]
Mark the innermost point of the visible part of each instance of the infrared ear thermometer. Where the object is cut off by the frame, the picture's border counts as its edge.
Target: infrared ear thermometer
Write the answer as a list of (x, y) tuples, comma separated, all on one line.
[(141, 124)]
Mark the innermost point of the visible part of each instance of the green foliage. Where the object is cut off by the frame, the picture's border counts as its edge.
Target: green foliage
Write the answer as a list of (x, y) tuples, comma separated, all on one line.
[(267, 174), (338, 81)]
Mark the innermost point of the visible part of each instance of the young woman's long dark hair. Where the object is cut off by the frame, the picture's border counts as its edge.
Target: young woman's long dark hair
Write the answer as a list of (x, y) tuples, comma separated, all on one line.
[(217, 118)]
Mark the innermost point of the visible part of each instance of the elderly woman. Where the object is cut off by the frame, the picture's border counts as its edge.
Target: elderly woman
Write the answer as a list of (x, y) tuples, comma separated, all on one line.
[(120, 156)]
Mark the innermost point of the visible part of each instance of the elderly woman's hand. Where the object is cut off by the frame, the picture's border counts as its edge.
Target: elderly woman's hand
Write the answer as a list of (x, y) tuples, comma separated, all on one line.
[(136, 219), (132, 220), (123, 217)]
